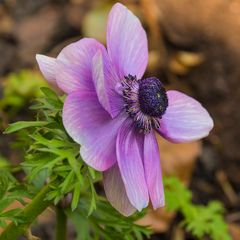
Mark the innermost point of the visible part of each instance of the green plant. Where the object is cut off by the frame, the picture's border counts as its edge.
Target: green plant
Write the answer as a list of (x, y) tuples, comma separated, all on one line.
[(19, 88), (198, 219), (57, 176), (11, 191), (52, 163)]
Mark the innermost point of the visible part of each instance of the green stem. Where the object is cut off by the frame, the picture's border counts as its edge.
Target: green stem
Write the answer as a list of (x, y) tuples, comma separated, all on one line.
[(61, 224), (28, 214)]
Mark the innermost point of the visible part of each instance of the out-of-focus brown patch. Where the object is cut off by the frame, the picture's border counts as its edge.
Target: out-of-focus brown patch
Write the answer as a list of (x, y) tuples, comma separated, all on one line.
[(227, 187), (212, 28), (178, 159), (234, 231), (182, 62), (158, 220), (6, 22), (31, 38)]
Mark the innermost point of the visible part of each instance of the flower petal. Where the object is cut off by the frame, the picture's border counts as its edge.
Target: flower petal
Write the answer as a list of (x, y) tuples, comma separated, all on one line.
[(105, 81), (185, 119), (153, 172), (71, 78), (126, 42), (115, 191), (129, 157), (47, 67), (74, 65), (91, 126)]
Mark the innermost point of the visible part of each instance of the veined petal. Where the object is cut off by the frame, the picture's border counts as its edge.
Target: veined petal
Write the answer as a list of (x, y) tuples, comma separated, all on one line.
[(130, 162), (153, 172), (185, 119), (91, 126), (74, 65), (115, 191), (71, 78), (126, 42), (105, 81), (47, 66)]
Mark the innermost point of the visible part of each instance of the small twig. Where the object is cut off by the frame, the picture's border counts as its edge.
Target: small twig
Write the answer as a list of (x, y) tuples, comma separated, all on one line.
[(227, 187), (4, 118)]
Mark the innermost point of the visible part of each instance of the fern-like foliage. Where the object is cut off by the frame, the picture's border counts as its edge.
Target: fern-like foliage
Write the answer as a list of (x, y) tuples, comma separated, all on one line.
[(11, 191), (198, 219)]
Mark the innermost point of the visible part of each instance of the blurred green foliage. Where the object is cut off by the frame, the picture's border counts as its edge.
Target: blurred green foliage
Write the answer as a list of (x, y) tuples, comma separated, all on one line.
[(199, 220), (19, 88), (3, 162)]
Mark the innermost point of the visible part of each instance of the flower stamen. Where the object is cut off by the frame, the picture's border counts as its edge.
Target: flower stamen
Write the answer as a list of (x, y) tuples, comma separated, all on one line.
[(145, 101)]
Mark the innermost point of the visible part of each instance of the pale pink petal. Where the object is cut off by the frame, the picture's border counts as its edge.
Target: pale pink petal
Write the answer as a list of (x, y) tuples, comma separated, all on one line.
[(105, 81), (185, 119), (47, 66), (74, 65), (71, 78), (130, 162), (126, 42), (91, 126), (115, 191), (153, 172)]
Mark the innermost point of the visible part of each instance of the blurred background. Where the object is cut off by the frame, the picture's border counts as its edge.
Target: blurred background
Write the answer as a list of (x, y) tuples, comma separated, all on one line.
[(194, 47)]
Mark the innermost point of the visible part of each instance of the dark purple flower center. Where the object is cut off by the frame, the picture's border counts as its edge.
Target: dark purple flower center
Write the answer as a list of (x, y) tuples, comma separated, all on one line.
[(145, 101), (152, 97)]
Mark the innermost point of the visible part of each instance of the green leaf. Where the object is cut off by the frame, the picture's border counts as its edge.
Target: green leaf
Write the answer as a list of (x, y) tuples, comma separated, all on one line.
[(76, 195), (67, 183), (5, 203), (10, 213), (93, 205), (49, 93), (14, 127), (92, 172)]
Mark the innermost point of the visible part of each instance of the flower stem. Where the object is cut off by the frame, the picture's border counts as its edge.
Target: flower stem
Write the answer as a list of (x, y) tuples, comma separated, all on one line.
[(28, 214), (61, 224)]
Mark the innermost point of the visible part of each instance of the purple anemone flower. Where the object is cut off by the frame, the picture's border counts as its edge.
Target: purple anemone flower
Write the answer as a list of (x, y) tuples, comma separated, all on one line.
[(114, 113)]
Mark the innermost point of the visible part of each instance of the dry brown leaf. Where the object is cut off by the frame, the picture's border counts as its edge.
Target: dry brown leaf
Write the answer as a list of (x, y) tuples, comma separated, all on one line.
[(158, 220), (178, 159)]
